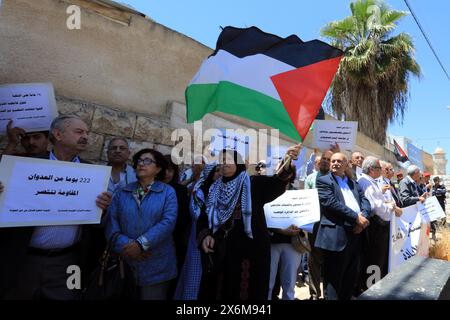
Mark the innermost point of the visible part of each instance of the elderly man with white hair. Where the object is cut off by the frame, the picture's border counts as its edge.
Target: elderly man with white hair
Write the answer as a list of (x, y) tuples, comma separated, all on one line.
[(409, 187), (383, 209), (390, 190)]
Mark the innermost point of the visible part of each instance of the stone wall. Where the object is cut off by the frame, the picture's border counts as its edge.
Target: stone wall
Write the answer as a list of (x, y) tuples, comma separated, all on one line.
[(104, 123)]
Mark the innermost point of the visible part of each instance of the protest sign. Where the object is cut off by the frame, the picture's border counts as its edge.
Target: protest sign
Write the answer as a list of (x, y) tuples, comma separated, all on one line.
[(276, 155), (330, 132), (294, 207), (407, 237), (431, 210), (46, 192), (31, 106)]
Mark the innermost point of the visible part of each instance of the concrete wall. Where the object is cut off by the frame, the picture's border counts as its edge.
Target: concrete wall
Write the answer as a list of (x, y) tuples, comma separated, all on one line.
[(135, 68)]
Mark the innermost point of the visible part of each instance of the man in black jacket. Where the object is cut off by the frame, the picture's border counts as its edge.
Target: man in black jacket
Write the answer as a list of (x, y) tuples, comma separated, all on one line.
[(34, 260), (410, 192), (440, 192)]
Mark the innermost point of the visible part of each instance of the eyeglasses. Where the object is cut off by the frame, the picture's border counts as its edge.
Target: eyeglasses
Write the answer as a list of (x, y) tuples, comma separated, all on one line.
[(376, 167), (145, 162)]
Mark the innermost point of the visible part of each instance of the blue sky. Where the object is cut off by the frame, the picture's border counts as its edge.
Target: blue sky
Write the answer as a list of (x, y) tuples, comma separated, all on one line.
[(427, 116)]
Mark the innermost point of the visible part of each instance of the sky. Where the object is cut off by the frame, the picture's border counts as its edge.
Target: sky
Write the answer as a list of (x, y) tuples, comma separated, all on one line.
[(427, 118)]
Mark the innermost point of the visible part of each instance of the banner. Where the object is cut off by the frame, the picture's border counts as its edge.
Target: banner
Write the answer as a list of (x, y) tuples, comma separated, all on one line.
[(408, 237), (31, 106), (294, 207), (46, 192), (415, 155), (329, 132)]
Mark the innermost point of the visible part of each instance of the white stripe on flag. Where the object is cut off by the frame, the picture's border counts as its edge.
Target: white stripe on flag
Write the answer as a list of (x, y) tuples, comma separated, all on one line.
[(252, 72)]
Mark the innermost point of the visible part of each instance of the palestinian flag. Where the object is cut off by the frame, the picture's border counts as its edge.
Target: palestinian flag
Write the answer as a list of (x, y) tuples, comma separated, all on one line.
[(400, 155), (264, 78)]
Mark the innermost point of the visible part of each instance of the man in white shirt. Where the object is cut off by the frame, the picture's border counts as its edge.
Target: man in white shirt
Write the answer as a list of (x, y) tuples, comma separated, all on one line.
[(121, 173), (383, 209), (385, 183), (356, 161)]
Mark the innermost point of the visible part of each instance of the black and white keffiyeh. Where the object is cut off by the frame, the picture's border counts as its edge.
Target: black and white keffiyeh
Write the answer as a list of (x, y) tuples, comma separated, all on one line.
[(222, 200), (197, 199)]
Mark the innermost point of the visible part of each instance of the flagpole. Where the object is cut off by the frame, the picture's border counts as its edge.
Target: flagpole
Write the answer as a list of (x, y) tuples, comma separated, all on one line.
[(287, 159)]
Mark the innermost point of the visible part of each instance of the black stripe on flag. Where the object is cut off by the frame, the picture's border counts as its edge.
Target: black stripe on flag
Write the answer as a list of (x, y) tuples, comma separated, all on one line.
[(400, 155), (243, 42)]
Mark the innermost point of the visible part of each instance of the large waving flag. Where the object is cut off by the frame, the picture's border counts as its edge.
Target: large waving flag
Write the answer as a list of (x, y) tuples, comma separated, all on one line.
[(264, 78)]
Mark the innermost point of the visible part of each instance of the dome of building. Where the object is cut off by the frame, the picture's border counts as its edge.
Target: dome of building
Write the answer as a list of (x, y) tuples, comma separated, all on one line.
[(439, 150)]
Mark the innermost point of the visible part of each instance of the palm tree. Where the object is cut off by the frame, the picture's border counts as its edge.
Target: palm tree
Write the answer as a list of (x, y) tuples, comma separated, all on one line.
[(371, 84)]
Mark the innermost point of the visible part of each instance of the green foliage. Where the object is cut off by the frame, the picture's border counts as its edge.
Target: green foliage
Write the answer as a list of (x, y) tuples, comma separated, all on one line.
[(371, 85)]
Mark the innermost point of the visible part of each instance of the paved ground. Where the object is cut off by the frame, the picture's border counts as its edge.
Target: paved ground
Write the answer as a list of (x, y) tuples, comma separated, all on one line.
[(301, 290)]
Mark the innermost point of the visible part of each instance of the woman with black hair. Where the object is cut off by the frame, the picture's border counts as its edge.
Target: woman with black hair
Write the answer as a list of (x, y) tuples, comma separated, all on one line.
[(144, 214), (232, 231)]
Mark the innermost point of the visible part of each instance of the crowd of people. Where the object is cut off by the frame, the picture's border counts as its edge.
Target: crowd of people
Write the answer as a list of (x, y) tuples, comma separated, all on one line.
[(201, 234)]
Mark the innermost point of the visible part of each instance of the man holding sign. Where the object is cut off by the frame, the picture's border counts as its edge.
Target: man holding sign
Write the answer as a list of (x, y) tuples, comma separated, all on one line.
[(410, 192), (344, 214), (376, 251), (35, 260)]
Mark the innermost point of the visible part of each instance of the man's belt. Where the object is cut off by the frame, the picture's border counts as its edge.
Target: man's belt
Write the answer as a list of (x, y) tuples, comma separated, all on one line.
[(52, 252), (380, 221)]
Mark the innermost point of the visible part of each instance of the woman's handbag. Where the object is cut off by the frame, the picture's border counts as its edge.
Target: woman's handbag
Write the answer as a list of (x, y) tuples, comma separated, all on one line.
[(301, 242), (113, 279)]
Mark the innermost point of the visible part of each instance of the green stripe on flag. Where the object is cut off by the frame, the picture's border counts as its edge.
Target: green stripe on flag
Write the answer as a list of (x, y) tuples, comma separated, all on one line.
[(240, 101)]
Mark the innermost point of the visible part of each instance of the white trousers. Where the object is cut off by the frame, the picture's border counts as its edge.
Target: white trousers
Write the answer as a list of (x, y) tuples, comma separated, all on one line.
[(284, 256)]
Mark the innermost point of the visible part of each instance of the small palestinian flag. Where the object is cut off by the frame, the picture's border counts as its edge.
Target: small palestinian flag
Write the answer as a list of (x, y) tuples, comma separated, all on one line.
[(400, 155), (264, 78)]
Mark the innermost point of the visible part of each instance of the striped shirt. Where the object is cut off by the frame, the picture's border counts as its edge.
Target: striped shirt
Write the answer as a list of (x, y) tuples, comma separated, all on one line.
[(55, 237)]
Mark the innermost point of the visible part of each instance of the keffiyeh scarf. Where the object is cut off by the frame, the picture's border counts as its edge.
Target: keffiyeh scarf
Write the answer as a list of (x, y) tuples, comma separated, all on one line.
[(222, 200), (198, 199)]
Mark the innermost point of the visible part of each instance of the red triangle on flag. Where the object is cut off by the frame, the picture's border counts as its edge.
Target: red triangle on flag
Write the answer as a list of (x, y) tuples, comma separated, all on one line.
[(302, 91)]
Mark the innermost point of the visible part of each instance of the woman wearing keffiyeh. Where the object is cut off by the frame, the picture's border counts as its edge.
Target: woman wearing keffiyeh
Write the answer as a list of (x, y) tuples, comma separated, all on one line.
[(232, 232)]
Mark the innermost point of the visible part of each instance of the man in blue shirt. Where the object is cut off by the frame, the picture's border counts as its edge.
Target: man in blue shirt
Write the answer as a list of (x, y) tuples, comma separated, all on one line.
[(35, 259)]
